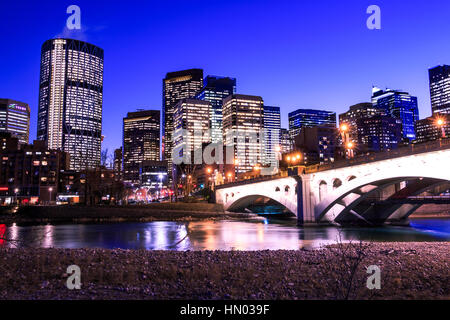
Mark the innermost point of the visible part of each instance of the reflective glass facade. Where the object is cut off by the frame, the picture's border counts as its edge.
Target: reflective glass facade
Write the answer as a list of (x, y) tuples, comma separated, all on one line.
[(15, 119), (272, 128), (309, 118), (70, 100), (214, 91), (440, 89)]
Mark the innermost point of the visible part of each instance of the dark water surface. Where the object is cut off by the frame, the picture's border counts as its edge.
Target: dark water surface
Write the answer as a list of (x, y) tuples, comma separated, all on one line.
[(255, 234)]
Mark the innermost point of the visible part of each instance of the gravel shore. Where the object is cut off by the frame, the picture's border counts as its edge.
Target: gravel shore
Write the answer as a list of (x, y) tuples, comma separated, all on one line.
[(408, 271)]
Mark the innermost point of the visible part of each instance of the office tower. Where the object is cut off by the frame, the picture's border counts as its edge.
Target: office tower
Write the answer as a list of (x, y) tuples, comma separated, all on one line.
[(140, 142), (440, 89), (272, 128), (317, 144), (15, 118), (191, 125), (153, 175), (243, 120), (176, 86), (117, 166), (214, 91), (400, 105), (358, 111), (378, 133), (309, 118), (285, 141), (70, 100), (430, 129)]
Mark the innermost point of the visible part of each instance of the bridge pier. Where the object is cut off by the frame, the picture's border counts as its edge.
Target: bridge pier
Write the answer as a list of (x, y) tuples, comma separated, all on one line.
[(305, 201)]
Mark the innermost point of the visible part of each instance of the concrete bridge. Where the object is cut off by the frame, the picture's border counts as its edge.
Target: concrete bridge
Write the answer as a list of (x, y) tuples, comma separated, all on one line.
[(374, 189)]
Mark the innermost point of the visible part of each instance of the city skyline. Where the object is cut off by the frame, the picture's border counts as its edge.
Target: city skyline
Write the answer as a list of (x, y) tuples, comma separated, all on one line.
[(292, 93)]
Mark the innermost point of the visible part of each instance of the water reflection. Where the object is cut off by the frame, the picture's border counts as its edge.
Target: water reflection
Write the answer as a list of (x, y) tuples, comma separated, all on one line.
[(257, 234)]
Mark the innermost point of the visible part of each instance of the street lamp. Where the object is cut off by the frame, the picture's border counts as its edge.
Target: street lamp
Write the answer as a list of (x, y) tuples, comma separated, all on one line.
[(16, 191), (350, 147), (50, 189), (160, 176), (229, 175), (440, 123)]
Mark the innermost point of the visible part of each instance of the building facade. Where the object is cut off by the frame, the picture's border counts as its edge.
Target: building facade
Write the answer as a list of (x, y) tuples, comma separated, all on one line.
[(243, 123), (429, 129), (118, 161), (285, 141), (301, 118), (439, 78), (15, 119), (70, 100), (141, 132), (272, 128), (214, 91), (358, 111), (191, 124), (378, 133), (29, 173), (176, 86), (317, 144), (399, 105)]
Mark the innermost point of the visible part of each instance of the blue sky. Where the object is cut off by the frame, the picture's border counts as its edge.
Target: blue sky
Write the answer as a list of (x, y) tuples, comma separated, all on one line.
[(295, 54)]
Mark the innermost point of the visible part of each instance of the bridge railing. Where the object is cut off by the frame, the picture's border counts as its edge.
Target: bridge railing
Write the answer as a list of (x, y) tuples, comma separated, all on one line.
[(412, 149)]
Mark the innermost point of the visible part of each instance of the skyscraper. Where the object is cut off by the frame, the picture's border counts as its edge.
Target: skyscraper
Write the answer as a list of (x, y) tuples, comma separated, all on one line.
[(176, 86), (309, 118), (15, 118), (440, 89), (70, 100), (214, 91), (243, 121), (191, 124), (285, 141), (358, 111), (399, 105), (272, 128), (140, 142), (378, 133)]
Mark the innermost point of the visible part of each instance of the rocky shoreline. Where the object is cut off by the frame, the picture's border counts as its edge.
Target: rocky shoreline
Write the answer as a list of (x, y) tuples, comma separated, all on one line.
[(414, 270)]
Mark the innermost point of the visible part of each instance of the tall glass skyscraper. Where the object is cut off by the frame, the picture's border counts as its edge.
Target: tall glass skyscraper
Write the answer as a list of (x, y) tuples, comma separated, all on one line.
[(15, 118), (440, 89), (309, 118), (243, 121), (176, 86), (214, 91), (399, 105), (140, 142), (272, 128), (70, 100)]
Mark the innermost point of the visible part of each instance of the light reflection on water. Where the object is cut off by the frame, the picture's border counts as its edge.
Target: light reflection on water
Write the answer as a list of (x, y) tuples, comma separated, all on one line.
[(257, 234)]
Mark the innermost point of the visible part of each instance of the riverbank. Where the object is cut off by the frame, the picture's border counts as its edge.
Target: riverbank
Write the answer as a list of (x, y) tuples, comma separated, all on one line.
[(416, 270), (133, 213)]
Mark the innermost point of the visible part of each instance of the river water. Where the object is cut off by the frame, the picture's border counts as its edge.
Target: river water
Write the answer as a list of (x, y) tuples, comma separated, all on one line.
[(255, 234)]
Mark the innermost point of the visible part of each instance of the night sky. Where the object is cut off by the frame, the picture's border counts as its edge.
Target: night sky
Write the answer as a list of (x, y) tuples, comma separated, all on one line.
[(295, 54)]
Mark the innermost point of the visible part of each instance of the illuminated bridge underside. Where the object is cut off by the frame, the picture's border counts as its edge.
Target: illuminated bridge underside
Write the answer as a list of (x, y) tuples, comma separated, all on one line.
[(371, 193)]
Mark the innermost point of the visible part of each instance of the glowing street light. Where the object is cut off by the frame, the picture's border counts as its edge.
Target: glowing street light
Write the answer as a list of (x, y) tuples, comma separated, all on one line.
[(440, 123), (344, 127), (350, 145)]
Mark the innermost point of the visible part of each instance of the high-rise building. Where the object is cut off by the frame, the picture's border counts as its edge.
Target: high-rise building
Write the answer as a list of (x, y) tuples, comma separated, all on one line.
[(285, 141), (272, 128), (243, 121), (317, 144), (117, 166), (429, 129), (358, 111), (15, 119), (309, 118), (191, 125), (400, 105), (176, 86), (70, 100), (214, 91), (141, 131), (440, 89), (378, 133)]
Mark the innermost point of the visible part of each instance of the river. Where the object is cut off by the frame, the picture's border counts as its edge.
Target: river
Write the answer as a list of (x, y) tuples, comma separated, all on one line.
[(255, 234)]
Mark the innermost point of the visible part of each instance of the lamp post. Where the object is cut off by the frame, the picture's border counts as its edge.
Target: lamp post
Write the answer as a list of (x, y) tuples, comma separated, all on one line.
[(350, 147), (160, 176), (50, 190), (16, 191), (440, 123)]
